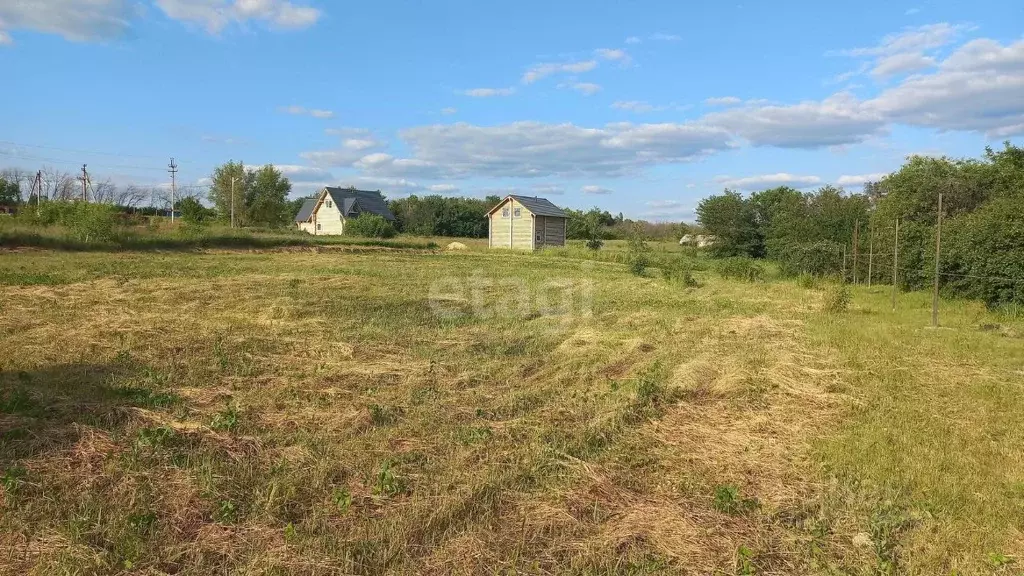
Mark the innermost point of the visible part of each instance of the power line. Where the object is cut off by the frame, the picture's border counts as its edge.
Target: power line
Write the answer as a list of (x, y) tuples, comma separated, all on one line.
[(95, 152), (62, 161)]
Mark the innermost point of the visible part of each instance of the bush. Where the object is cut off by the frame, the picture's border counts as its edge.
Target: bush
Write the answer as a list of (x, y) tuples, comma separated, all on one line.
[(595, 244), (819, 259), (370, 226), (741, 268), (837, 299), (86, 222), (678, 270), (637, 252), (805, 280)]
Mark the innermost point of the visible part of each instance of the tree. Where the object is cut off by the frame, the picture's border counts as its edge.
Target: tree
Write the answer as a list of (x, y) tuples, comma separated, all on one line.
[(193, 212), (221, 187), (266, 197), (10, 192), (733, 222), (370, 226)]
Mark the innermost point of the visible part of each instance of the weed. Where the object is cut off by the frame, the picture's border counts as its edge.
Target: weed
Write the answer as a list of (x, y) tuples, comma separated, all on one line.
[(226, 512), (13, 478), (146, 398), (142, 522), (808, 281), (342, 499), (837, 299), (155, 437), (290, 533), (745, 562), (385, 415), (388, 483), (743, 269), (729, 501), (19, 401), (473, 435), (226, 420), (887, 525), (998, 560)]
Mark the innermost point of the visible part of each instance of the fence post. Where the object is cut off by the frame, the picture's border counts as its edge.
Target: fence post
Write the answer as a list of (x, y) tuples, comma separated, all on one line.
[(938, 249), (895, 263)]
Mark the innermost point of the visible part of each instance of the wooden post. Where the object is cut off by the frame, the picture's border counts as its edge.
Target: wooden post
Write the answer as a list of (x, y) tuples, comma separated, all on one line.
[(895, 263), (938, 249), (856, 249), (871, 250), (844, 263)]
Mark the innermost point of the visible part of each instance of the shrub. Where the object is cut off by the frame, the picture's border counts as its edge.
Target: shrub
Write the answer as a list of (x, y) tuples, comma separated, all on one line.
[(637, 252), (741, 268), (837, 299), (678, 270), (595, 244), (817, 259), (85, 222), (805, 280), (370, 226)]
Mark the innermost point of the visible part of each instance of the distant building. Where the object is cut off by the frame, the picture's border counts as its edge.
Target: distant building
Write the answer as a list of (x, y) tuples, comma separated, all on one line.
[(327, 213), (526, 223)]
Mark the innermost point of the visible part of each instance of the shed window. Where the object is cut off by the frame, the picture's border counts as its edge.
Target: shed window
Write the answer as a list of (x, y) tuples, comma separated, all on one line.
[(318, 227), (519, 212), (504, 213)]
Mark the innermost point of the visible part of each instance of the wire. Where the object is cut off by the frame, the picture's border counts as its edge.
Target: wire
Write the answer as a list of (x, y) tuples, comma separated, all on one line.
[(95, 152), (61, 161)]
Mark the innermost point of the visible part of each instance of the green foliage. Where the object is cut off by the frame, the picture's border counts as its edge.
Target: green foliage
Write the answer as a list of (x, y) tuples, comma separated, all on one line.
[(837, 299), (84, 221), (10, 192), (442, 216), (805, 280), (679, 270), (227, 178), (266, 198), (638, 252), (984, 253), (728, 500), (733, 222), (12, 479), (193, 212), (227, 419), (388, 483), (742, 268), (818, 259), (342, 499), (595, 244), (745, 562), (369, 226), (384, 415)]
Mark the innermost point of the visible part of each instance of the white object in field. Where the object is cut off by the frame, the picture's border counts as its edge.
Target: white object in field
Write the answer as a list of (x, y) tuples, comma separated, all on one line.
[(457, 246)]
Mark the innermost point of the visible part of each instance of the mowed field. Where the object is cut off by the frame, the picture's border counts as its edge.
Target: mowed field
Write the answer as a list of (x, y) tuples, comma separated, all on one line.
[(390, 412)]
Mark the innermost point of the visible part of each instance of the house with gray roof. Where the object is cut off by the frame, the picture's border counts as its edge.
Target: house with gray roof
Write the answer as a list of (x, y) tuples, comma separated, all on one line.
[(327, 213), (526, 223)]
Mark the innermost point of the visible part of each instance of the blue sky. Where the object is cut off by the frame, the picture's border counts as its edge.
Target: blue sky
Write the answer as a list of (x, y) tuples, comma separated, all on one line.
[(639, 107)]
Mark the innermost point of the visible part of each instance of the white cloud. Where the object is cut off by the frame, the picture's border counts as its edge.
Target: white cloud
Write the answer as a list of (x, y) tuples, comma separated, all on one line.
[(215, 15), (838, 119), (768, 181), (586, 88), (488, 92), (535, 149), (913, 39), (539, 71), (594, 189), (665, 37), (449, 111), (443, 188), (669, 210), (723, 101), (911, 11), (901, 64), (977, 88), (614, 55), (859, 179), (303, 111), (638, 106), (633, 40), (76, 20), (548, 190), (360, 143)]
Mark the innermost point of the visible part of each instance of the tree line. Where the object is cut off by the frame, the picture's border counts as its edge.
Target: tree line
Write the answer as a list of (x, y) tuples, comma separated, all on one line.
[(831, 232)]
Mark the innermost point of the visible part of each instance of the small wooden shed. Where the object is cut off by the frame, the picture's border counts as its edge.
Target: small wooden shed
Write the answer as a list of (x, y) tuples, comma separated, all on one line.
[(526, 223)]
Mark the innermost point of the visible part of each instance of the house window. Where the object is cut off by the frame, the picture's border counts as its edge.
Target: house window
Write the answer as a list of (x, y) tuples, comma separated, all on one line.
[(329, 204), (504, 213), (318, 226), (519, 212)]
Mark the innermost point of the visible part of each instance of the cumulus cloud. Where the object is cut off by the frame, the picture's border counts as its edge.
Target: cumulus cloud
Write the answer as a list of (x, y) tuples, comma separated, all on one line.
[(539, 71), (913, 39), (548, 190), (215, 15), (669, 210), (859, 179), (449, 111), (594, 189), (838, 119), (303, 111), (535, 149), (901, 64), (443, 188), (75, 20), (723, 101), (488, 92), (768, 181), (633, 40)]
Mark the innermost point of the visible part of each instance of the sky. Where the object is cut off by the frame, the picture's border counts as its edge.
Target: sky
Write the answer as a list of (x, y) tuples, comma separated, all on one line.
[(637, 107)]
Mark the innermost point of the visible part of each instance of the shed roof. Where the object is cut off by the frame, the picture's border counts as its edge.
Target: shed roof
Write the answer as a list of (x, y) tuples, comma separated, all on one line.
[(306, 210), (367, 200), (538, 206)]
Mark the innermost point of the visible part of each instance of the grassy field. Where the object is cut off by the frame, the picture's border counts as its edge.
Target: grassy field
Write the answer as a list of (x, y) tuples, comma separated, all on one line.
[(400, 411)]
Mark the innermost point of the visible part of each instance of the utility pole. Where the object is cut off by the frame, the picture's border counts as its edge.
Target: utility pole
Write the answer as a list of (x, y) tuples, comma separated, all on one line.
[(871, 249), (37, 185), (232, 201), (173, 169), (895, 263), (85, 180), (938, 248), (844, 263), (856, 249)]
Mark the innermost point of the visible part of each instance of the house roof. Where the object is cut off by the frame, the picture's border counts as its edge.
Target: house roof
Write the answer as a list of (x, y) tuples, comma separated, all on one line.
[(306, 211), (368, 201), (538, 206)]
